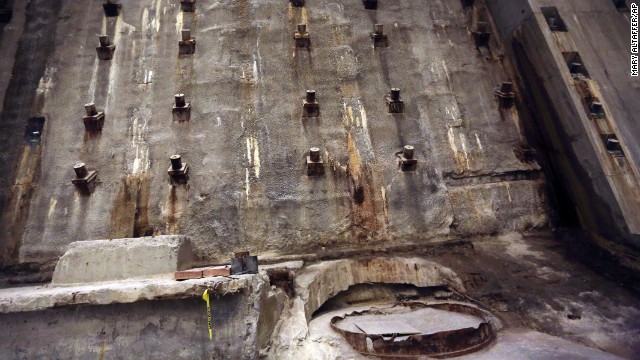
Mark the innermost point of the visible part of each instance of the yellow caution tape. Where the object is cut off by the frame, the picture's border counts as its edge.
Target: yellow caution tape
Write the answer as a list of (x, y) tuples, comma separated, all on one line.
[(205, 297)]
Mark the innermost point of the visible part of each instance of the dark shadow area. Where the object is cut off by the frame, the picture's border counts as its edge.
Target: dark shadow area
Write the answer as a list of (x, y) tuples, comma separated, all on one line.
[(372, 293), (554, 20)]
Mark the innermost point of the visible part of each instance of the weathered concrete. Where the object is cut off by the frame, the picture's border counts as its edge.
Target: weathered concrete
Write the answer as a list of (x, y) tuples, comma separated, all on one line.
[(246, 141), (271, 306), (120, 259), (246, 144), (534, 345), (511, 344), (167, 328), (43, 297), (524, 281), (601, 187), (22, 97), (318, 283)]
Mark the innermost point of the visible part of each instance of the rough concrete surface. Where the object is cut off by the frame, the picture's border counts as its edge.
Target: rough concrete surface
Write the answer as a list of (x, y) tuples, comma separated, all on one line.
[(469, 224), (533, 345), (531, 283), (318, 283), (120, 259), (246, 141), (43, 297), (323, 343), (603, 188), (165, 329), (160, 319)]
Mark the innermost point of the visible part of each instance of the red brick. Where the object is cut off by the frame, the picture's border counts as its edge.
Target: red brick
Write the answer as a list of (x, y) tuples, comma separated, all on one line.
[(189, 274), (240, 254), (216, 271)]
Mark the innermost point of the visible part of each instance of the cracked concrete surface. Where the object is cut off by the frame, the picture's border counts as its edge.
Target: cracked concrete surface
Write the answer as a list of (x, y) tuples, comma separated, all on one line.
[(470, 224), (549, 305), (246, 141)]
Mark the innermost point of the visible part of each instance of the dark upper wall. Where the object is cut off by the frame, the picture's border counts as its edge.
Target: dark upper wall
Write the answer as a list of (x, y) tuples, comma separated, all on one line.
[(509, 15), (27, 43), (246, 142)]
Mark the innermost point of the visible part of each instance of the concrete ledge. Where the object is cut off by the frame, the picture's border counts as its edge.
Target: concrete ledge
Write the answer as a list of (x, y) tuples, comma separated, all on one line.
[(44, 297), (107, 260)]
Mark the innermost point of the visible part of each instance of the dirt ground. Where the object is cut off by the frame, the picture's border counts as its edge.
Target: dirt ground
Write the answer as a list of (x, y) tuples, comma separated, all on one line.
[(533, 282), (550, 305)]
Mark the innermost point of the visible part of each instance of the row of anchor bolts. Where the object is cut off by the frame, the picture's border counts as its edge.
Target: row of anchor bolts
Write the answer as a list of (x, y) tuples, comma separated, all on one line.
[(178, 171), (303, 39), (85, 181), (311, 107), (187, 45), (94, 120), (112, 8), (315, 165)]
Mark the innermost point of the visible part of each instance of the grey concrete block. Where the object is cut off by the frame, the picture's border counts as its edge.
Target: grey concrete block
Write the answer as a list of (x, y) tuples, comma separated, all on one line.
[(106, 260)]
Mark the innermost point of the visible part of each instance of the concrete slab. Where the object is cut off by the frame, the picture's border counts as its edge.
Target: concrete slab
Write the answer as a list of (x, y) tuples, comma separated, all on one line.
[(104, 260), (383, 327), (533, 345), (36, 298), (118, 320)]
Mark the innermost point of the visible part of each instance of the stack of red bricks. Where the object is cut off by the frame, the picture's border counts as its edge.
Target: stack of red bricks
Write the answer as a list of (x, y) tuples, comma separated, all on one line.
[(199, 273)]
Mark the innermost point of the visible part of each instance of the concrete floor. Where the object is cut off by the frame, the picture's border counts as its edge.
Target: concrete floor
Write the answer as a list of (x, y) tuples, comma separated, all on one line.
[(533, 345), (548, 305), (515, 343), (532, 284)]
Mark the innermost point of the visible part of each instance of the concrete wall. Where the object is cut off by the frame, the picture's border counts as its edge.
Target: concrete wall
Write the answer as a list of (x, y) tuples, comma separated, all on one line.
[(604, 189), (246, 142), (166, 329), (510, 14)]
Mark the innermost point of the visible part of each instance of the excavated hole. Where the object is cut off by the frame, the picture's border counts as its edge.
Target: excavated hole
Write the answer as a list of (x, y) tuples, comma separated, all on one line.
[(392, 320), (378, 293)]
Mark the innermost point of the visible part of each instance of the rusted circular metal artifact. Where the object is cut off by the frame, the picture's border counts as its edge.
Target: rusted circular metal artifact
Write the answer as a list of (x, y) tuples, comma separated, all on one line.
[(405, 344)]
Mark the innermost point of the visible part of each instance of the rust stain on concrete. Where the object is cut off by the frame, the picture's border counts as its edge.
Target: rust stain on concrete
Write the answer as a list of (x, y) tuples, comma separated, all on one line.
[(129, 217), (365, 219), (174, 209), (17, 210)]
